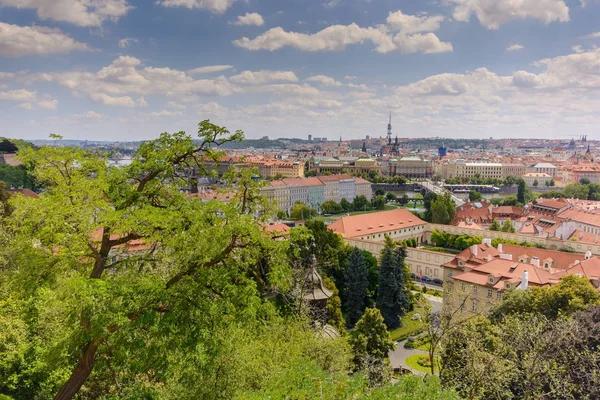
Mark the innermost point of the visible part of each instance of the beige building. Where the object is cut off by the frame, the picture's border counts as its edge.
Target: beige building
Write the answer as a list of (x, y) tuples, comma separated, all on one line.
[(399, 224), (410, 167), (278, 193), (477, 278), (347, 166), (514, 170), (285, 169), (332, 186), (462, 169), (363, 188), (545, 168), (540, 177)]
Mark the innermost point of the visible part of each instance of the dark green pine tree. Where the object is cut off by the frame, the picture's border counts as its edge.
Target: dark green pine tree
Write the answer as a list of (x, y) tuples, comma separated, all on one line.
[(356, 276), (393, 299)]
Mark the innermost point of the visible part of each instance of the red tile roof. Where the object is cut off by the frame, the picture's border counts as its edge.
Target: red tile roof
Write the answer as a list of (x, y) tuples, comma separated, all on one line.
[(378, 222)]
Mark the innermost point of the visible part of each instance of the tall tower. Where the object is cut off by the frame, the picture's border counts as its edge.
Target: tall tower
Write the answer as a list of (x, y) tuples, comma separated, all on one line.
[(389, 131)]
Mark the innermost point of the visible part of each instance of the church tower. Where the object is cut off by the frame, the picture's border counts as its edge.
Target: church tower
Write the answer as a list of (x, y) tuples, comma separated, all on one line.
[(389, 130)]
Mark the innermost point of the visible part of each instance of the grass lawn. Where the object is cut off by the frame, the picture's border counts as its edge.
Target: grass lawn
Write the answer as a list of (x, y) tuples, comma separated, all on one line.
[(413, 362), (409, 326)]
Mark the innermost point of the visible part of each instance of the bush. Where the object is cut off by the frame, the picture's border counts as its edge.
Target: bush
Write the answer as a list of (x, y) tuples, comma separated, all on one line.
[(410, 343)]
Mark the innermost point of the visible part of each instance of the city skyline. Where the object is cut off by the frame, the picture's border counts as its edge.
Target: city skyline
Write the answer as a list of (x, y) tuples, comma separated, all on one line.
[(128, 70)]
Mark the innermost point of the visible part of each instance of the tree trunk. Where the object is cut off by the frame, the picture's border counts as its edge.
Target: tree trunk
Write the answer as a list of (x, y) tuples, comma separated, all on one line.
[(81, 372)]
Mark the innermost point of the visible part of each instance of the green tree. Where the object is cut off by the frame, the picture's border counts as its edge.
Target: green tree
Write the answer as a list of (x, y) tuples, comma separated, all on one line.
[(331, 207), (356, 277), (577, 191), (372, 337), (510, 180), (443, 209), (379, 202), (474, 195), (428, 200), (393, 298), (361, 203), (535, 183), (570, 295), (584, 181), (92, 297), (552, 183), (391, 197), (495, 225), (521, 191), (403, 200), (346, 205), (301, 211), (373, 277), (379, 192), (334, 307), (508, 226)]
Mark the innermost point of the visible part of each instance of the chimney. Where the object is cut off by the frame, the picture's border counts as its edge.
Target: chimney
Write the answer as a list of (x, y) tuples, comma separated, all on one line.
[(487, 241), (588, 255), (524, 280), (474, 249), (504, 256), (500, 248), (535, 262)]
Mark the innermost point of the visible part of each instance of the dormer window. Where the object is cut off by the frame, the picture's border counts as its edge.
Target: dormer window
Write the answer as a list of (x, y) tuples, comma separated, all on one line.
[(546, 265), (491, 280), (461, 263)]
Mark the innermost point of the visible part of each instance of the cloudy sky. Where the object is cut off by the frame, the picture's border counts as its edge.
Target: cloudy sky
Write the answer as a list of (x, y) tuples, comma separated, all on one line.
[(130, 69)]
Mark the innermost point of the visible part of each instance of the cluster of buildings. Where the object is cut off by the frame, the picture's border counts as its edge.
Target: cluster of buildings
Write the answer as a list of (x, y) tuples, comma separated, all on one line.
[(563, 219), (315, 191), (476, 278)]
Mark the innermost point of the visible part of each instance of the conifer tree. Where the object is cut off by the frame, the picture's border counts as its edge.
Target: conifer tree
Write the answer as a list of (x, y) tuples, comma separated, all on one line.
[(372, 337), (356, 276), (393, 299)]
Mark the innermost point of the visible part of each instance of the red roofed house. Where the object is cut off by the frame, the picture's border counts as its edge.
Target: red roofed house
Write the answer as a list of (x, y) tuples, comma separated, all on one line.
[(399, 224), (478, 276)]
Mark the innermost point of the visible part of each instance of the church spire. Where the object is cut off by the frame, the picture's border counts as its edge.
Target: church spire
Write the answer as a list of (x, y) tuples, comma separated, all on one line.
[(389, 130)]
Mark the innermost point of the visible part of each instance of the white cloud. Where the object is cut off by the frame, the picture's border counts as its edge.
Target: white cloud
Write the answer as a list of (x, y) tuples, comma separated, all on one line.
[(78, 12), (578, 49), (337, 37), (331, 4), (90, 115), (125, 77), (7, 75), (124, 43), (48, 104), (29, 99), (427, 43), (515, 47), (19, 41), (214, 6), (332, 38), (350, 77), (250, 19), (324, 80), (594, 35), (164, 113), (413, 23), (584, 3), (210, 69), (493, 13), (18, 95), (120, 101), (263, 76), (175, 106)]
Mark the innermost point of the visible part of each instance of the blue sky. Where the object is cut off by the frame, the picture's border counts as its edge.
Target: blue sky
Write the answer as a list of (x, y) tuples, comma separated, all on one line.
[(130, 69)]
